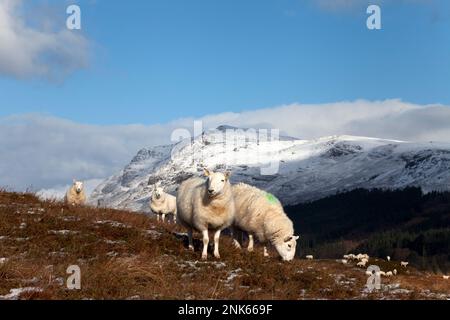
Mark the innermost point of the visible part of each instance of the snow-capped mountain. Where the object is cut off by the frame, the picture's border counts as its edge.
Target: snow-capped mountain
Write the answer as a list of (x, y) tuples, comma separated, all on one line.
[(308, 169)]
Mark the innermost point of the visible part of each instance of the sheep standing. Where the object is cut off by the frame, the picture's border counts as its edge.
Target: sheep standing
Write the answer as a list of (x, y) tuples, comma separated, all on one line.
[(163, 204), (445, 277), (404, 264), (206, 205), (309, 257), (361, 264), (389, 274), (261, 215), (75, 196), (388, 258)]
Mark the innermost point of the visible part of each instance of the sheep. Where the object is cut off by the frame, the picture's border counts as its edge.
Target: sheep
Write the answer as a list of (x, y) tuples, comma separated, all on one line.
[(347, 256), (309, 257), (394, 272), (344, 261), (361, 264), (75, 196), (206, 205), (381, 273), (162, 203), (261, 215), (364, 260), (388, 258), (404, 264), (389, 274), (445, 277)]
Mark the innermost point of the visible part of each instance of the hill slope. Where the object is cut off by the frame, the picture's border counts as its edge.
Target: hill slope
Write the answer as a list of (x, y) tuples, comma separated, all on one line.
[(309, 169), (123, 255)]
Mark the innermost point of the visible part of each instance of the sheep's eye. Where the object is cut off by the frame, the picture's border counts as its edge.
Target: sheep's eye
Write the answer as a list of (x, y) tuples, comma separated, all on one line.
[(289, 246), (223, 180)]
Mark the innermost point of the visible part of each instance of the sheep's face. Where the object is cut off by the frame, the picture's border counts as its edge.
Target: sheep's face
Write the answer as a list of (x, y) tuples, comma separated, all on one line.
[(78, 186), (216, 182), (286, 249), (158, 193)]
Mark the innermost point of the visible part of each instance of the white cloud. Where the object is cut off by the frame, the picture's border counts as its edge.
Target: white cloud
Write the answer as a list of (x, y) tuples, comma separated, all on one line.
[(42, 151), (27, 51)]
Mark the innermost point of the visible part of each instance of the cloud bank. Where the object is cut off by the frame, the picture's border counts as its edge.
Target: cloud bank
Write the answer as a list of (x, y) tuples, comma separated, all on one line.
[(42, 151), (27, 51)]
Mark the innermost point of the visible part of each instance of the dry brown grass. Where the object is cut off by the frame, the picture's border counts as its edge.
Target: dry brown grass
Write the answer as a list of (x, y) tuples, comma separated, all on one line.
[(124, 255)]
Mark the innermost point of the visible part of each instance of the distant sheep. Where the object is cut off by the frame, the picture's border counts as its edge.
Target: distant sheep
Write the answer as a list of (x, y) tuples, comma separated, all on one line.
[(163, 204), (381, 273), (394, 272), (388, 258), (404, 264), (344, 261), (205, 205), (445, 277), (389, 274), (309, 257), (361, 264), (75, 196), (261, 215)]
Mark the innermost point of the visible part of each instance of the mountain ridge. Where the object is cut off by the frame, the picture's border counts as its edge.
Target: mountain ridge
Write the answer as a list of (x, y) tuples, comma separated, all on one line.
[(308, 169)]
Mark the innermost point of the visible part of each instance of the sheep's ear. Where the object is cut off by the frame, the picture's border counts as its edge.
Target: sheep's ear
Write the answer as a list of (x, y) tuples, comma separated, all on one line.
[(206, 171), (227, 175), (296, 237), (73, 181)]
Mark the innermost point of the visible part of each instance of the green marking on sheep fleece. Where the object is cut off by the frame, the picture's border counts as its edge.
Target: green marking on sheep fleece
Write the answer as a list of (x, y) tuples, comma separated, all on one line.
[(271, 198)]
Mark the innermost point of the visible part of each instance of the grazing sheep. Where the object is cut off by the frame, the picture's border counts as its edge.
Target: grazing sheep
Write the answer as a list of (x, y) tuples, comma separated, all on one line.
[(445, 277), (361, 264), (389, 274), (75, 196), (309, 257), (388, 258), (261, 215), (404, 264), (206, 205), (163, 203)]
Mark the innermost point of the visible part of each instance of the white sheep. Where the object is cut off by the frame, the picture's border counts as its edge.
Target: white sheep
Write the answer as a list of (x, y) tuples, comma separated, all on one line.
[(388, 258), (347, 256), (364, 260), (361, 264), (344, 261), (389, 274), (75, 196), (404, 264), (394, 272), (381, 273), (309, 257), (261, 215), (206, 205), (162, 204), (445, 277)]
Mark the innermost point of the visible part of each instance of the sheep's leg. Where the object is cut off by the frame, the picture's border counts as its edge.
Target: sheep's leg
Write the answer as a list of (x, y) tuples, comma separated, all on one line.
[(236, 243), (266, 253), (157, 217), (205, 244), (191, 243), (250, 243), (175, 218), (216, 244), (163, 217)]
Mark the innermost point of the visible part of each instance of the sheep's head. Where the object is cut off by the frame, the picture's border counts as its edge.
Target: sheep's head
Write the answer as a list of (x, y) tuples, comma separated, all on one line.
[(78, 185), (158, 192), (286, 249), (216, 182)]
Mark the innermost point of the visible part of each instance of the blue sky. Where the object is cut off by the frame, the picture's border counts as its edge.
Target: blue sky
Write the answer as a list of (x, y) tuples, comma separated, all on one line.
[(156, 61)]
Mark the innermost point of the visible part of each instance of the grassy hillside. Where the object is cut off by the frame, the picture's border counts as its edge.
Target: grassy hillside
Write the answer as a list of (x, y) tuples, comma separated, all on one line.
[(405, 224), (123, 255)]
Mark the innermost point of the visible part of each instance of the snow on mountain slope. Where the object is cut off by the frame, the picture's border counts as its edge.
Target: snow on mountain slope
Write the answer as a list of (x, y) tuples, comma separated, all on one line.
[(308, 169)]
